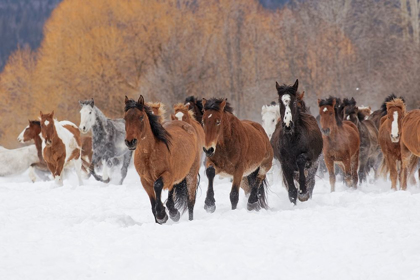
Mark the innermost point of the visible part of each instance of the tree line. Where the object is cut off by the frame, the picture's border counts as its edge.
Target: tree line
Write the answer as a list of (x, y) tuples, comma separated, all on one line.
[(169, 49)]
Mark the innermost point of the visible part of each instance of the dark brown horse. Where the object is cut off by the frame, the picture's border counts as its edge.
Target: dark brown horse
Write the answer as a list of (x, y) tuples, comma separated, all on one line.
[(62, 146), (341, 143), (389, 140), (369, 146), (197, 107), (166, 157), (297, 143), (235, 148)]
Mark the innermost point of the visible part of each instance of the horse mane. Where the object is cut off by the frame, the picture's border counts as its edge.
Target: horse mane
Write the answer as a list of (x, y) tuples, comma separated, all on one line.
[(397, 102), (194, 100), (329, 102), (214, 104), (389, 98), (161, 109), (180, 106), (157, 129), (36, 122), (349, 102)]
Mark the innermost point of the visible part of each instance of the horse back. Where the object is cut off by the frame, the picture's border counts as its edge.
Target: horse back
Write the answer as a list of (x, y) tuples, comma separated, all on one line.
[(310, 134), (256, 134), (76, 134), (410, 131)]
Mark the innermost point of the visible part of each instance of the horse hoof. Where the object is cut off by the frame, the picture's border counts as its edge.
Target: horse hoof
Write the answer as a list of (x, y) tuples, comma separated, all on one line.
[(163, 220), (106, 181), (210, 208), (304, 196), (253, 206), (175, 217)]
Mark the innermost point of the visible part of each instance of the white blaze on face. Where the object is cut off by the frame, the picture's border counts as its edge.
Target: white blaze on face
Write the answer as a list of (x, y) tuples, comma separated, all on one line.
[(179, 115), (394, 126), (348, 117), (20, 137), (210, 116), (46, 123), (288, 113), (325, 109)]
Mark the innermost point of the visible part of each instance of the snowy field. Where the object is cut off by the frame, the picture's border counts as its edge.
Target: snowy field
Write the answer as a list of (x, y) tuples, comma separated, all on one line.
[(99, 231)]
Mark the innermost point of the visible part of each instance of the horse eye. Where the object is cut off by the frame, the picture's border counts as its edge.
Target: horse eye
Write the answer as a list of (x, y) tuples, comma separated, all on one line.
[(90, 113), (273, 120)]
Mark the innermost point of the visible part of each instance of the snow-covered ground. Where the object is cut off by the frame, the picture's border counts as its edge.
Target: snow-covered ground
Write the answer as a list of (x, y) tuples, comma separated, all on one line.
[(99, 231)]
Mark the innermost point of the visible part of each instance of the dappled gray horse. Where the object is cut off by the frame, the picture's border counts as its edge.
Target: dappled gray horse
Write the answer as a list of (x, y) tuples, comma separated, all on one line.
[(108, 141)]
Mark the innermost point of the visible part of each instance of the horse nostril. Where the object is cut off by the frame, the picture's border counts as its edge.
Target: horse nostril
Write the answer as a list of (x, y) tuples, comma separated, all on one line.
[(84, 128), (131, 144)]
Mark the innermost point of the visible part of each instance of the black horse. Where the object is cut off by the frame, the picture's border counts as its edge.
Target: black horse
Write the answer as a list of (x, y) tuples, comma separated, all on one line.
[(298, 144)]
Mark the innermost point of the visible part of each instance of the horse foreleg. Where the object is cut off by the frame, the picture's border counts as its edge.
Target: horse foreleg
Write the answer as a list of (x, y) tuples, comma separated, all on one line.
[(234, 192), (152, 196), (209, 203), (158, 186), (58, 171), (393, 173), (126, 163), (363, 166), (77, 163), (173, 212), (105, 175), (330, 166), (301, 161), (192, 184)]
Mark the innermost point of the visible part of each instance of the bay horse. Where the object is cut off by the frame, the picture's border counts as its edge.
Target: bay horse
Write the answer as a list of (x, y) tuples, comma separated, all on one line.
[(107, 141), (197, 107), (341, 142), (33, 132), (62, 146), (235, 148), (183, 113), (410, 141), (158, 109), (166, 157), (298, 144), (369, 149)]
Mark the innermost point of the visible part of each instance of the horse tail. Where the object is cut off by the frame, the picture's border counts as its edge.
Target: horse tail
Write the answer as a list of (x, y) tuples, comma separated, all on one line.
[(180, 196)]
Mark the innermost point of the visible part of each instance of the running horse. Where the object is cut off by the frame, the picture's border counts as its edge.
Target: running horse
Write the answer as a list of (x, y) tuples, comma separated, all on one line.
[(341, 142), (195, 105), (158, 109), (183, 113), (410, 140), (235, 148), (62, 146), (166, 157), (298, 143)]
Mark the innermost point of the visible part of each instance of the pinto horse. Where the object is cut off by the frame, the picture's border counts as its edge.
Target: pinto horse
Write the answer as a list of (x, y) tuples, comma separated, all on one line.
[(410, 140), (196, 106), (238, 149), (298, 143), (341, 143), (166, 157), (62, 146), (369, 147)]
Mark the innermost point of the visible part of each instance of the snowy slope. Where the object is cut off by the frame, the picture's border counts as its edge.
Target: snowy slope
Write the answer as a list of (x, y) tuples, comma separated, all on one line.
[(100, 231)]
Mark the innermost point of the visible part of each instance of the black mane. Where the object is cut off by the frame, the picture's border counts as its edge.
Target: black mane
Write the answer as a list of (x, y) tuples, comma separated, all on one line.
[(214, 104), (36, 122), (388, 99), (193, 99), (349, 102), (285, 89), (157, 129), (337, 109)]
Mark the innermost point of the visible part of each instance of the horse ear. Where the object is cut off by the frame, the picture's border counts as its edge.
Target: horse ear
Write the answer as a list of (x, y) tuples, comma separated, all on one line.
[(92, 102), (141, 100), (126, 100), (277, 86), (296, 85), (302, 95), (319, 101), (157, 105), (264, 109), (80, 102), (223, 105), (173, 117), (52, 114), (40, 113), (204, 101), (334, 102)]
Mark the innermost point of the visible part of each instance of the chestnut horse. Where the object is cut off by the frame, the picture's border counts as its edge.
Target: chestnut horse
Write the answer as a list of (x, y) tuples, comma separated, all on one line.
[(298, 144), (410, 140), (183, 113), (158, 109), (62, 146), (166, 157), (33, 132), (369, 146), (377, 115), (341, 142), (196, 106), (238, 149)]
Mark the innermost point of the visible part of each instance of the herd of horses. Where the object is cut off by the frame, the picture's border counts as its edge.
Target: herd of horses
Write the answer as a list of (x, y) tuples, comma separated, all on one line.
[(344, 138)]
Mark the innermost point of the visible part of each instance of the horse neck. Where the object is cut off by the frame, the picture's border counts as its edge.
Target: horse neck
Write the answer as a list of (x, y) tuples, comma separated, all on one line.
[(38, 145), (335, 129), (100, 121), (230, 124), (147, 141)]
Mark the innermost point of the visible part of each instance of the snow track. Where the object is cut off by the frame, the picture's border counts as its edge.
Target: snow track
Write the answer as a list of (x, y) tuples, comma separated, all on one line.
[(99, 231)]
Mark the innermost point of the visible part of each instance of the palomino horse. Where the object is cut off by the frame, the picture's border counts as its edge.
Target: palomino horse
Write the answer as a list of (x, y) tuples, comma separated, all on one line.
[(410, 140), (298, 143), (270, 115), (183, 113), (108, 141), (341, 142), (369, 147), (33, 132), (166, 158), (196, 106), (389, 140), (62, 146), (158, 109), (238, 149)]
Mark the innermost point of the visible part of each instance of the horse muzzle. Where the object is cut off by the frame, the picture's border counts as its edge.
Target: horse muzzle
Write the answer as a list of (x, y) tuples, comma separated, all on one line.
[(209, 152), (48, 142), (131, 145), (288, 129), (395, 138), (326, 131), (83, 129)]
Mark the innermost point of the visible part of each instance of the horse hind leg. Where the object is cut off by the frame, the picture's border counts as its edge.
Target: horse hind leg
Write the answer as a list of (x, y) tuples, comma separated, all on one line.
[(209, 203), (192, 185), (301, 161), (77, 163), (126, 163)]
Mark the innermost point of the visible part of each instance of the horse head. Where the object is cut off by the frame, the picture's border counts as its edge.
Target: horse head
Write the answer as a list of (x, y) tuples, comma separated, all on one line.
[(395, 113), (47, 128), (328, 111), (87, 115), (288, 106), (270, 115), (30, 132), (135, 117)]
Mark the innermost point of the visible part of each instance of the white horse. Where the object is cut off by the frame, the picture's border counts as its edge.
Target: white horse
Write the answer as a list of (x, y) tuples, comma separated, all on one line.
[(270, 115), (16, 161)]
